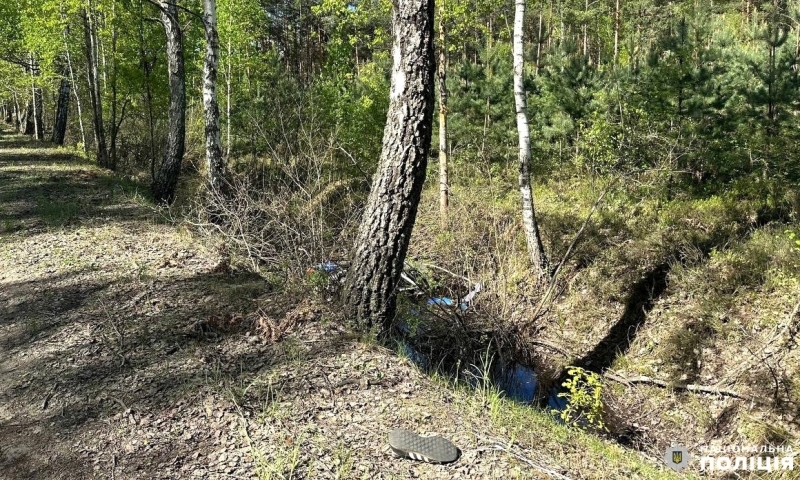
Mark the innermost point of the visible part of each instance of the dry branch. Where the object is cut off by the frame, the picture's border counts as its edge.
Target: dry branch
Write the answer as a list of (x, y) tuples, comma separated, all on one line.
[(642, 379)]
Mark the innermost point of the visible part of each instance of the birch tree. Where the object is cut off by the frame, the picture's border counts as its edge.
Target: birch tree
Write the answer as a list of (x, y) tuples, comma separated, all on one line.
[(214, 163), (533, 238), (382, 241), (166, 176), (95, 93)]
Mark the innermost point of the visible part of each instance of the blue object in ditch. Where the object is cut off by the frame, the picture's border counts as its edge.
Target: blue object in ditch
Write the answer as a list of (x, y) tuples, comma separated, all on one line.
[(446, 302), (327, 266)]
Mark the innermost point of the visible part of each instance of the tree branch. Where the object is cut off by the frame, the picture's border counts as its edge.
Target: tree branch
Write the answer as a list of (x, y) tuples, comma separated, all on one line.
[(642, 379)]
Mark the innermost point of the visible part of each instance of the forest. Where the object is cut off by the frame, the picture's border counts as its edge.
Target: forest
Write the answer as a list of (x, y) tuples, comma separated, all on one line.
[(247, 238)]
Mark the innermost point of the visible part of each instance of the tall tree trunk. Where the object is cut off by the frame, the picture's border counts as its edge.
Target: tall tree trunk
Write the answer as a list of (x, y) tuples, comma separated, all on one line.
[(534, 240), (27, 119), (539, 42), (17, 117), (147, 68), (166, 178), (90, 38), (36, 93), (216, 168), (75, 91), (444, 187), (585, 28), (617, 19), (62, 109), (382, 242), (112, 162), (228, 104)]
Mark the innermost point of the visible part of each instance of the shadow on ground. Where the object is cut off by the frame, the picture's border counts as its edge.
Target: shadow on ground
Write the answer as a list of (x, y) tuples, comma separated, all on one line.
[(89, 350), (42, 188)]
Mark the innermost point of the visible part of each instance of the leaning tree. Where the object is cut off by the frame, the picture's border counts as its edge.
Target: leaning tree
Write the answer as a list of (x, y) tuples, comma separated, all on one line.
[(377, 261)]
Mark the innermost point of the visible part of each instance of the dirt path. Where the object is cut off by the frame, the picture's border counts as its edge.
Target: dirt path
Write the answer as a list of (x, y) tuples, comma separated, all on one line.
[(127, 352)]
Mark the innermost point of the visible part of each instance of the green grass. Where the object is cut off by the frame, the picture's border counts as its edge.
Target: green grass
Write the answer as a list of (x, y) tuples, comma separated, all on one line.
[(58, 213)]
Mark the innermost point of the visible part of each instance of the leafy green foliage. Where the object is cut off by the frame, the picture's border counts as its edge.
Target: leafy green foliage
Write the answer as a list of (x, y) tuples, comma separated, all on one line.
[(584, 397)]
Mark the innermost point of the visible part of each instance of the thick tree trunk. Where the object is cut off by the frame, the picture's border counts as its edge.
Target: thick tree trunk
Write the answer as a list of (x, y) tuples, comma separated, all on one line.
[(62, 111), (166, 176), (382, 242), (95, 96), (27, 119), (214, 164), (534, 240), (444, 194)]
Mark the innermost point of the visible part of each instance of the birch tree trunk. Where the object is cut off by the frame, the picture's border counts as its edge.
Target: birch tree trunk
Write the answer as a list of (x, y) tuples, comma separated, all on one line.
[(27, 119), (112, 162), (228, 104), (534, 240), (75, 91), (214, 164), (17, 116), (90, 38), (36, 95), (382, 242), (444, 188), (166, 176), (617, 18)]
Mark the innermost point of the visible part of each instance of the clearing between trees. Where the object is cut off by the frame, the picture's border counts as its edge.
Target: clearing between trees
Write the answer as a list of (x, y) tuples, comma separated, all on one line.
[(131, 350)]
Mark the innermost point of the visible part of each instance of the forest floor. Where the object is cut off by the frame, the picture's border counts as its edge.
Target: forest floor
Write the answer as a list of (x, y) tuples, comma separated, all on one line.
[(130, 350)]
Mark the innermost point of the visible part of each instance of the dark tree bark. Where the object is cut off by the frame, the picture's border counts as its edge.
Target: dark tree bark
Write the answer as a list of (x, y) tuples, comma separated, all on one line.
[(382, 242), (27, 120), (166, 176), (147, 68), (216, 168), (62, 110), (95, 94)]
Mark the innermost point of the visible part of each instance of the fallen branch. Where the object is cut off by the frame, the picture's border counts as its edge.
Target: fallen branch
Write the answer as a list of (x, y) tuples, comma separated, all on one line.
[(642, 379)]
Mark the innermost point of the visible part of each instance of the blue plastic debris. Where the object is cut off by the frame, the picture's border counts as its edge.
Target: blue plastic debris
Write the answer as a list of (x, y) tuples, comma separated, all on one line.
[(327, 266), (443, 301), (446, 302)]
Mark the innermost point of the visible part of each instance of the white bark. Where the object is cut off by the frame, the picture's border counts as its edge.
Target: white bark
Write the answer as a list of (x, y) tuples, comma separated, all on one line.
[(534, 241), (444, 188), (75, 91), (95, 94), (216, 168)]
